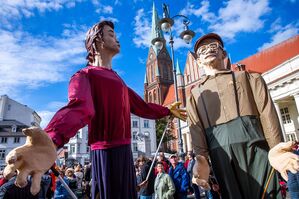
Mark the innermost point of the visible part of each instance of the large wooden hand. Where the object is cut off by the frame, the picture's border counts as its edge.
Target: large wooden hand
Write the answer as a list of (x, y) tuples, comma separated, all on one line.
[(177, 112), (34, 158), (283, 159)]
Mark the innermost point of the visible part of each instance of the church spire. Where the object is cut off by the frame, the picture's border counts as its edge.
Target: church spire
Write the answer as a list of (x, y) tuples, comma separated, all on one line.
[(178, 68), (156, 30)]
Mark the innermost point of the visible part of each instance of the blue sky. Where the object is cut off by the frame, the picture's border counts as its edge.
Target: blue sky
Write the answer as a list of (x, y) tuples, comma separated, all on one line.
[(42, 42)]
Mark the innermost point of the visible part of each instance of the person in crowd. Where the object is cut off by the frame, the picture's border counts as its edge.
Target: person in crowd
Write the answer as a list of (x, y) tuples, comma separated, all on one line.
[(190, 165), (60, 191), (180, 177), (164, 187), (293, 178), (10, 191), (165, 165), (163, 158), (45, 185), (147, 191), (79, 177), (72, 180), (86, 180)]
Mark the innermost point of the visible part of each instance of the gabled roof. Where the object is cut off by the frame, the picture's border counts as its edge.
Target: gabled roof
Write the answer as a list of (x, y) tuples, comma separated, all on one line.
[(269, 58)]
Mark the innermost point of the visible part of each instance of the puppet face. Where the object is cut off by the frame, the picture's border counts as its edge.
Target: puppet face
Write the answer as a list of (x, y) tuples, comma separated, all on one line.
[(210, 53), (108, 42)]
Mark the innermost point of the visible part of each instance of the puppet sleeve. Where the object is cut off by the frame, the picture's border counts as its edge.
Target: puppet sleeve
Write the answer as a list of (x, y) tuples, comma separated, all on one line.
[(76, 114), (197, 132), (266, 109), (146, 110)]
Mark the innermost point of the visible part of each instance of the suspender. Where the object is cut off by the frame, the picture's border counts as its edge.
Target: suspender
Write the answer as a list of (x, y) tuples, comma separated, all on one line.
[(236, 99), (236, 94)]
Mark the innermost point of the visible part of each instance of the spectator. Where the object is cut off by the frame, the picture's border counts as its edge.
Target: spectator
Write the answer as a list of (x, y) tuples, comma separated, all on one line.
[(164, 187), (147, 191), (180, 177), (190, 165), (70, 174)]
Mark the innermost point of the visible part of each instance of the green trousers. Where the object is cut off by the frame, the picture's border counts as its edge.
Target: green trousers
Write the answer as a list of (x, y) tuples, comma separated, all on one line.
[(239, 156)]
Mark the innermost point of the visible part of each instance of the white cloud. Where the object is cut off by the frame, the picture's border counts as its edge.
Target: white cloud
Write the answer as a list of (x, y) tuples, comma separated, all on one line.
[(233, 17), (104, 9), (46, 117), (202, 11), (283, 33), (28, 62), (16, 9), (240, 16), (142, 30), (107, 9)]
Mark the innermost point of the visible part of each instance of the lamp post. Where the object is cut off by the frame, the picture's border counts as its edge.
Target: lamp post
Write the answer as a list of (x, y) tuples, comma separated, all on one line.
[(165, 24)]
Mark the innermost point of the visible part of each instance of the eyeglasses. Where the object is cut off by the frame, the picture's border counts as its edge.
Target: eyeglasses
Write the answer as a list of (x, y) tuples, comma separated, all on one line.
[(213, 46)]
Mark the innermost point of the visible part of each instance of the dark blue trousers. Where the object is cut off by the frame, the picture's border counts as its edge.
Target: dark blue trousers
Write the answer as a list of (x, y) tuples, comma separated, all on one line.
[(113, 173)]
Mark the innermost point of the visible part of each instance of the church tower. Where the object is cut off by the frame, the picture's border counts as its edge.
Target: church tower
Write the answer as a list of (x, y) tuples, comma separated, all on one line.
[(158, 76)]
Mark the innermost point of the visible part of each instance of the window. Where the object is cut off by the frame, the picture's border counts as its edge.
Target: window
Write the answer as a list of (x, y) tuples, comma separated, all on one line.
[(135, 147), (291, 137), (2, 154), (78, 135), (87, 149), (146, 124), (8, 107), (78, 148), (72, 149), (13, 128), (135, 135), (285, 115), (16, 140), (4, 140), (135, 124)]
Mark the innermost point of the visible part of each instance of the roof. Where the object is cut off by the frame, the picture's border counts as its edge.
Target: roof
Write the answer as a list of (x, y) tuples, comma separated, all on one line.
[(269, 58), (169, 99)]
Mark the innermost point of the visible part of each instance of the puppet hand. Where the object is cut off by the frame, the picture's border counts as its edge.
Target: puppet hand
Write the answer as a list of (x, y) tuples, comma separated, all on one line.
[(201, 172), (177, 112), (283, 159), (34, 158)]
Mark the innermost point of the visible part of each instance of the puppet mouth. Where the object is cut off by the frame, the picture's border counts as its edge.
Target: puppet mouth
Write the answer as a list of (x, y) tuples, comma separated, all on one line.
[(210, 55)]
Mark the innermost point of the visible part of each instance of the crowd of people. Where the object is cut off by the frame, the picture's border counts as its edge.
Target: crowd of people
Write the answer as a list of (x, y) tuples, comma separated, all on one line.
[(77, 178), (171, 178)]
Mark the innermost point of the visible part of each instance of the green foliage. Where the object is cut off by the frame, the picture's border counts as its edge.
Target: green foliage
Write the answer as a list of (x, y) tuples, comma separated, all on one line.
[(160, 127)]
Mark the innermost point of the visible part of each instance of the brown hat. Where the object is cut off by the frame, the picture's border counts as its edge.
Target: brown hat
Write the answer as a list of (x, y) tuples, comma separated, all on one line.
[(209, 35)]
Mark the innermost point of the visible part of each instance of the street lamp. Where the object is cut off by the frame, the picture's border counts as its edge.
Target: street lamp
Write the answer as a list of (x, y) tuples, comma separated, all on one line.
[(187, 35)]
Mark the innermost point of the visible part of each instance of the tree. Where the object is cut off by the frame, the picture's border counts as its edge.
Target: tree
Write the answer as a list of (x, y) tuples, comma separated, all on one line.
[(160, 127)]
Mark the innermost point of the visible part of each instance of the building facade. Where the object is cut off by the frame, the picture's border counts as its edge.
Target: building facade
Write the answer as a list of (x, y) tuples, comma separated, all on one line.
[(144, 140), (13, 118)]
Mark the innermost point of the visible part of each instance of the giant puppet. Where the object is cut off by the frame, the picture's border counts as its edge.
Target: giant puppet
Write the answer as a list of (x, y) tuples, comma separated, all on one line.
[(233, 123), (99, 98)]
